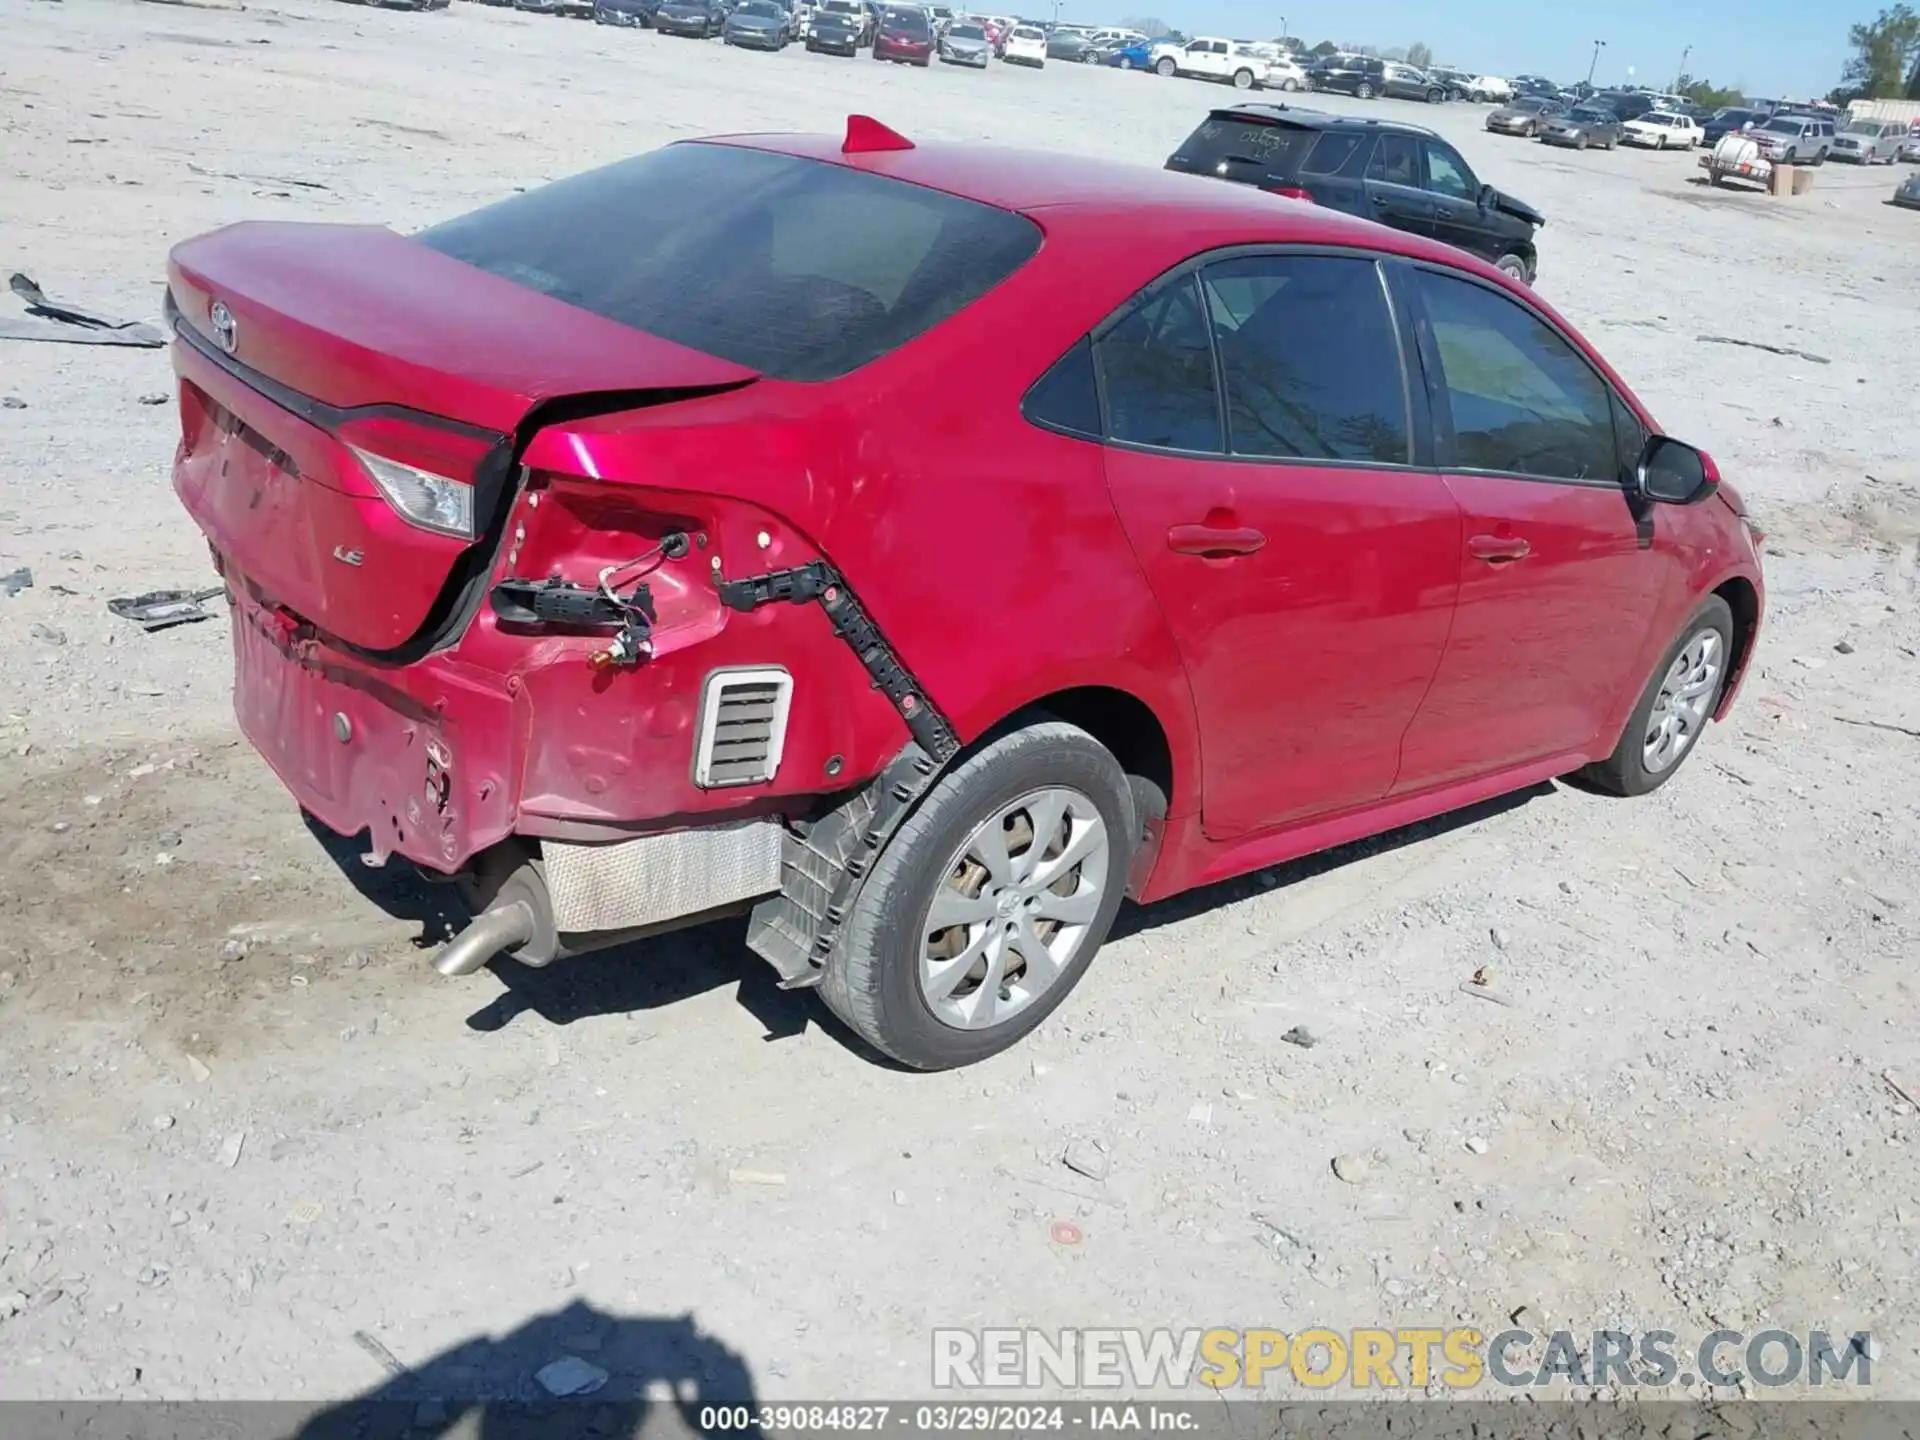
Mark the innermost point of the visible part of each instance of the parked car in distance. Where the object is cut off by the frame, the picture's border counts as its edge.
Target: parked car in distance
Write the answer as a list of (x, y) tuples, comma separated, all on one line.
[(1357, 75), (1727, 120), (1284, 72), (1661, 130), (1590, 126), (1211, 58), (1074, 48), (1137, 55), (1404, 82), (838, 27), (1626, 104), (699, 18), (1404, 176), (1255, 456), (1025, 45), (757, 25), (635, 14), (1910, 147), (1457, 83), (1794, 139), (1870, 142), (1907, 193), (965, 43), (1485, 89), (1524, 116), (905, 36)]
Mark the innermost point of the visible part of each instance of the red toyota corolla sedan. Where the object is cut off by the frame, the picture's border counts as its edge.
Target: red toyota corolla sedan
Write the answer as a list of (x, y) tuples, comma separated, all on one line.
[(923, 548)]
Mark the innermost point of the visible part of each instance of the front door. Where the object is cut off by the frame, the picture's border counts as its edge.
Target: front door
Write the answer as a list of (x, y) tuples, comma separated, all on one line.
[(1560, 576), (1457, 216), (1305, 562)]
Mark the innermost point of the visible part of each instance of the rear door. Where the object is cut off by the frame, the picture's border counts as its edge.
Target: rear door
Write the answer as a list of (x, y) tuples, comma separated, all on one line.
[(1305, 554), (1561, 576), (1396, 190)]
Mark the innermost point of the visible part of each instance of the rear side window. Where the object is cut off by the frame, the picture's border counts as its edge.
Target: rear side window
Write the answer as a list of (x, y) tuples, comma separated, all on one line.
[(1331, 152), (1396, 161), (1522, 401), (797, 269), (1309, 358), (1156, 363), (1067, 397), (1225, 144)]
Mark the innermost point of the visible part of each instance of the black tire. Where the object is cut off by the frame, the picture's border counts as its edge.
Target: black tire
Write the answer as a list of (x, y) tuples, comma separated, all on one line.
[(1165, 67), (1434, 97), (1515, 264), (1624, 772), (1363, 91), (872, 981), (1243, 79)]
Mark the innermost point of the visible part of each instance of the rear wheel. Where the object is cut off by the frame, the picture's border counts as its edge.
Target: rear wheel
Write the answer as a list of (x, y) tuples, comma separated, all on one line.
[(1126, 62), (1434, 97), (1165, 67), (1515, 264), (1289, 85), (1243, 79), (1674, 709), (1087, 57), (988, 904), (1363, 91)]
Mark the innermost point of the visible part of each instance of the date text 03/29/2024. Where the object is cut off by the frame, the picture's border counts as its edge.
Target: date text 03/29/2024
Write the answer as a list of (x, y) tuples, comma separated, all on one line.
[(1170, 1418)]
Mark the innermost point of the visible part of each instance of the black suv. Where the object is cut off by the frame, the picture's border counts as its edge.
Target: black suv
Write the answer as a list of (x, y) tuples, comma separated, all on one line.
[(1358, 75), (1400, 175)]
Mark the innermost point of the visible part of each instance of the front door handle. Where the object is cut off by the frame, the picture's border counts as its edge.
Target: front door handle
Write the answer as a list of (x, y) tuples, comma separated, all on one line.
[(1498, 549), (1214, 541)]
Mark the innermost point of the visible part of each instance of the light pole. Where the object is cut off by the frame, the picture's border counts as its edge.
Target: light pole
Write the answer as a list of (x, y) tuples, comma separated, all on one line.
[(1283, 27), (1594, 64), (1681, 74)]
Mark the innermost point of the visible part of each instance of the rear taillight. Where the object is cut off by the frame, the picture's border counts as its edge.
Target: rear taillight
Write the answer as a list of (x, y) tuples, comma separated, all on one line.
[(426, 473), (1291, 192)]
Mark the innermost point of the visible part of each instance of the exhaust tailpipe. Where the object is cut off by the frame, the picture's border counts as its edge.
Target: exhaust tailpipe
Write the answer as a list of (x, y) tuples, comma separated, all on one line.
[(514, 916), (501, 928)]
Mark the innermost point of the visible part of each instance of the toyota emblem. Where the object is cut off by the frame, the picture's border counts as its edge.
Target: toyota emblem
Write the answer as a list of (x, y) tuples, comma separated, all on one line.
[(225, 333)]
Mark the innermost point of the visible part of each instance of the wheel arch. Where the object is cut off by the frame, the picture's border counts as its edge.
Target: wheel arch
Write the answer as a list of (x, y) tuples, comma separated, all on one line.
[(1743, 599), (1137, 734)]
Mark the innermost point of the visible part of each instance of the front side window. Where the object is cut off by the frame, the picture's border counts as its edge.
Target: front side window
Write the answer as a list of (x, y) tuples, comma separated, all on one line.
[(1521, 399), (1309, 359), (1156, 365), (1447, 173)]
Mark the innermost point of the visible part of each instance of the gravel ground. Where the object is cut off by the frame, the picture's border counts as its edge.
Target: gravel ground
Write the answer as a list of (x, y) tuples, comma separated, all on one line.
[(241, 1122)]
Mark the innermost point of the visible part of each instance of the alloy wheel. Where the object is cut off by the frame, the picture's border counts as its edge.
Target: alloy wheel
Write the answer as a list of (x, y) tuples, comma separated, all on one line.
[(1013, 908), (1686, 695)]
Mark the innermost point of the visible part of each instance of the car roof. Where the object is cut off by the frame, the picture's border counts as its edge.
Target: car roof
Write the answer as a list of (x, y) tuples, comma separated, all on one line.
[(1066, 193), (1326, 119)]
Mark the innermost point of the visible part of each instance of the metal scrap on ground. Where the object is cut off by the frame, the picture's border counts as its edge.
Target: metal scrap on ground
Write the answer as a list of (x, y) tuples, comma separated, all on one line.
[(162, 609), (60, 322)]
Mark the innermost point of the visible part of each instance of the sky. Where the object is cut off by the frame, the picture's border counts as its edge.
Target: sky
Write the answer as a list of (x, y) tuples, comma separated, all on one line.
[(1772, 48)]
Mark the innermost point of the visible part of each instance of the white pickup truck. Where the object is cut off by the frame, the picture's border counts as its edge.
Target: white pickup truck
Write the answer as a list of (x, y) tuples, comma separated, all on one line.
[(1210, 59)]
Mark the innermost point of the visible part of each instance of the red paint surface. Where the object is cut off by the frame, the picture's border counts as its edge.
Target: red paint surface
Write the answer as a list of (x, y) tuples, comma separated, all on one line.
[(1360, 667)]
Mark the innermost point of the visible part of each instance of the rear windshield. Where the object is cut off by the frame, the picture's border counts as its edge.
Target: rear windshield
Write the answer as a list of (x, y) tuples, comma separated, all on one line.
[(795, 268), (967, 32), (1222, 142), (1027, 33)]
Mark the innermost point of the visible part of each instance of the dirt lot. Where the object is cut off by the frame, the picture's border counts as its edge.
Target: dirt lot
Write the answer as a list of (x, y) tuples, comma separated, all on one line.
[(240, 1119)]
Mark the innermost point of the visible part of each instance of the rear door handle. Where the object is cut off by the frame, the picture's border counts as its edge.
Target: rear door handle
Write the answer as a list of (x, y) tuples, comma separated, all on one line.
[(1498, 549), (1213, 540)]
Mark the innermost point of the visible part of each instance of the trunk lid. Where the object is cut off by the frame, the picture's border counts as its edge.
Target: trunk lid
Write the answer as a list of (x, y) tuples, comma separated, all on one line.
[(302, 350)]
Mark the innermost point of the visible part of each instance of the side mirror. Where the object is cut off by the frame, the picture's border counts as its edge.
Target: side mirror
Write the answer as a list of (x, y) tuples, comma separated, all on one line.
[(1488, 197), (1675, 473)]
